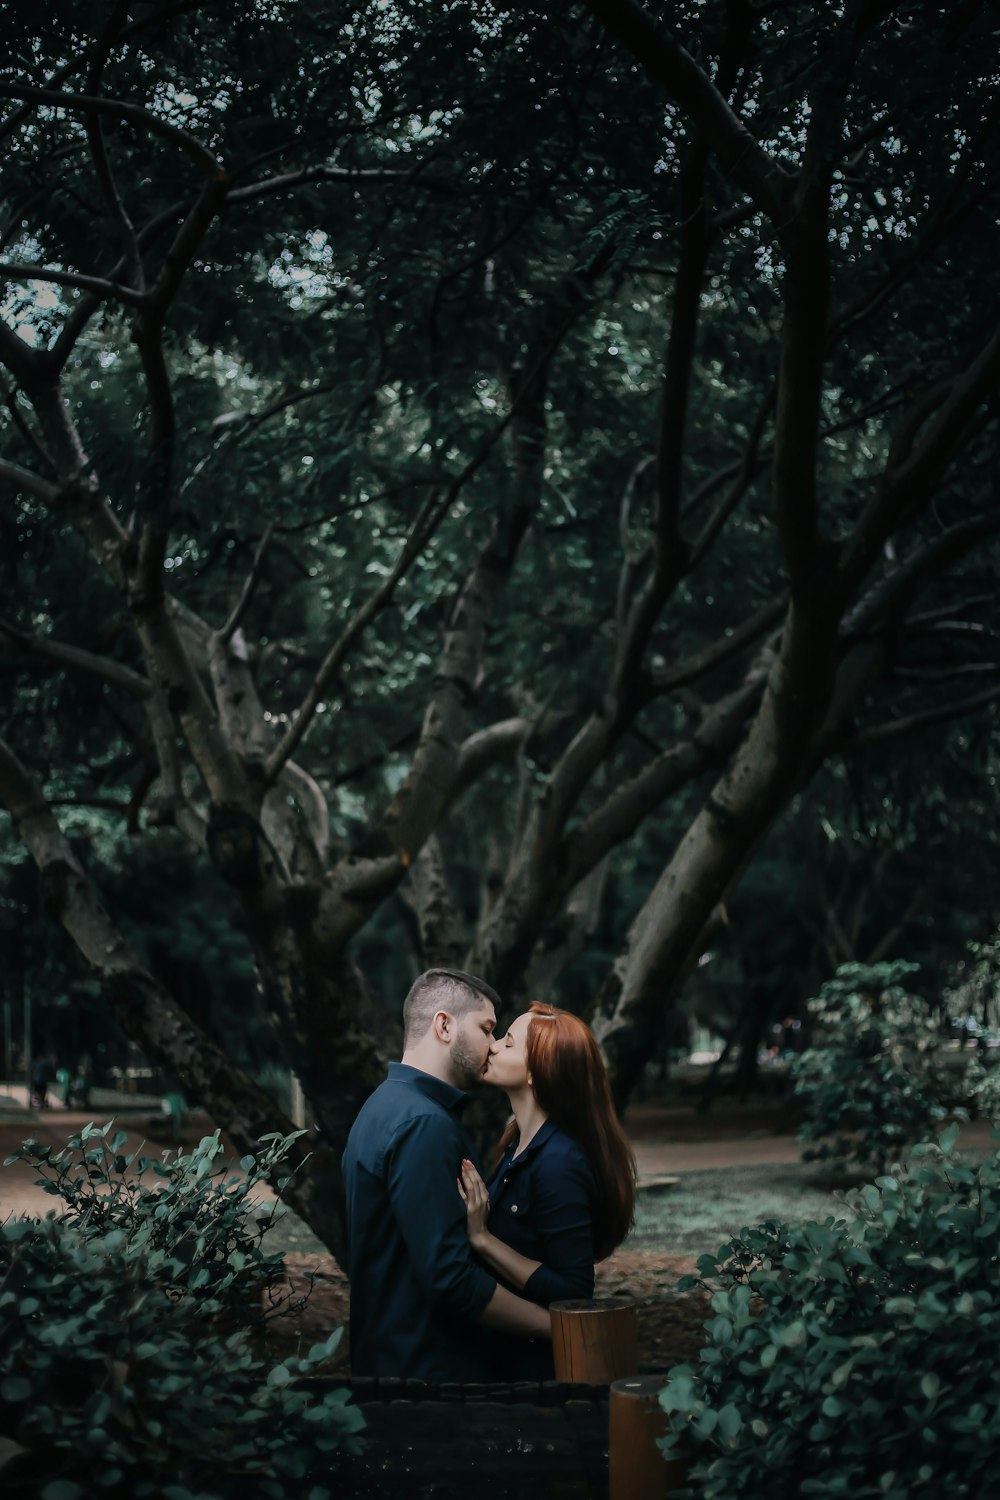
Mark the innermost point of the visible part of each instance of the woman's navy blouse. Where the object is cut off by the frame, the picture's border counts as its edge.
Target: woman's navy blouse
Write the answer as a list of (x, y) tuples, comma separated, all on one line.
[(542, 1204)]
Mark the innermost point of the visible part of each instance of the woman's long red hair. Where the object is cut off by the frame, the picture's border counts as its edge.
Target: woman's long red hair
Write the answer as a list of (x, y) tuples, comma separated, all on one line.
[(570, 1082)]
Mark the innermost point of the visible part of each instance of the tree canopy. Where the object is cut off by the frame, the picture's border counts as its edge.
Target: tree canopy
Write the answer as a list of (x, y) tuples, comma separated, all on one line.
[(457, 457)]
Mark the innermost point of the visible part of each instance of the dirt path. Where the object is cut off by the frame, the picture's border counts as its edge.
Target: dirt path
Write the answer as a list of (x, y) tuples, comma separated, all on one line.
[(668, 1140)]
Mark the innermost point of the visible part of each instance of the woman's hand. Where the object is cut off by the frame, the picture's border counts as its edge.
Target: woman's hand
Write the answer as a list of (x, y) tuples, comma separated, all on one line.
[(476, 1200)]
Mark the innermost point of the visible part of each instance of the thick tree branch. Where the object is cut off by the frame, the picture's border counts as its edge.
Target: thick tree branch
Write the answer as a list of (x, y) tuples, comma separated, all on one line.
[(146, 584), (87, 305), (117, 109), (350, 176), (99, 151), (488, 747), (185, 243), (83, 661), (158, 478), (622, 813), (758, 779), (418, 538), (172, 806), (746, 471), (667, 679), (696, 242), (907, 487), (152, 18), (426, 891), (309, 798), (667, 63), (105, 291), (891, 729), (25, 479), (697, 234), (246, 593)]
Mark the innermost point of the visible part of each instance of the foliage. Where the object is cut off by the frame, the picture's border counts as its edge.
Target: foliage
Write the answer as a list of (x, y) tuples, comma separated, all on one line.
[(981, 1084), (184, 1203), (127, 1367), (874, 1081), (404, 513), (974, 993), (857, 1356)]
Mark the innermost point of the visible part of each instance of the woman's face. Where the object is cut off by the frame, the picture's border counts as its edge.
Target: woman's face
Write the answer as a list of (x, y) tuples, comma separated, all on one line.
[(507, 1067)]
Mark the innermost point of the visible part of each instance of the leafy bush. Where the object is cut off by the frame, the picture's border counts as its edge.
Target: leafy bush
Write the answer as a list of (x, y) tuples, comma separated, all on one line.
[(120, 1372), (981, 1083), (876, 1082), (185, 1202), (854, 1358)]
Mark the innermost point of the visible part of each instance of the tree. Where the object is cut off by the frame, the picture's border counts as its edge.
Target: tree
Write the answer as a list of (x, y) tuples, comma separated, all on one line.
[(444, 445)]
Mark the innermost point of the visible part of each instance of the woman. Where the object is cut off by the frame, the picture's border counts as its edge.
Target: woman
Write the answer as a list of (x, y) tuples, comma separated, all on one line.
[(563, 1192)]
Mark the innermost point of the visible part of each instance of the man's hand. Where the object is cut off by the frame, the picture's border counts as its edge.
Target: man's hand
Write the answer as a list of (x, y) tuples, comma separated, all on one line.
[(477, 1203)]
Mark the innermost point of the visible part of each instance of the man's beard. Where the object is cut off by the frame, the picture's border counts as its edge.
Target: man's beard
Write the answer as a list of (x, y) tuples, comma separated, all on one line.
[(466, 1065)]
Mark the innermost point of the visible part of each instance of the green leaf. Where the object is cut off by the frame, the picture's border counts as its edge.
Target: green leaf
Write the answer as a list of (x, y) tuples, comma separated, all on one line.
[(730, 1421), (794, 1335), (705, 1423), (62, 1489)]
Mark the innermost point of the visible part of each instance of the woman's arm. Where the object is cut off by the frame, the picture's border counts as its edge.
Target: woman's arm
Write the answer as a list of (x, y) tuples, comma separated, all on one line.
[(562, 1215), (515, 1269)]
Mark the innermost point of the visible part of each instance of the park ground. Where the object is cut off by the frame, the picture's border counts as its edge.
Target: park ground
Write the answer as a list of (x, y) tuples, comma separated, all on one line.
[(702, 1176)]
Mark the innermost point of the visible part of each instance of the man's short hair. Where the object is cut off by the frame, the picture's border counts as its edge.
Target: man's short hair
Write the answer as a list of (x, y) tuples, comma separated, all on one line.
[(443, 989)]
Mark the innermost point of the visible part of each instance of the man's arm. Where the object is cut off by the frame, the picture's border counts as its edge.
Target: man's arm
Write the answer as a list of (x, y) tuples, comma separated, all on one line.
[(515, 1315)]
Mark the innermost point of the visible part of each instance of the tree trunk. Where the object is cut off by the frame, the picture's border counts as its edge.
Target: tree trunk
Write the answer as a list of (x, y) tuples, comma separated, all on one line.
[(763, 775)]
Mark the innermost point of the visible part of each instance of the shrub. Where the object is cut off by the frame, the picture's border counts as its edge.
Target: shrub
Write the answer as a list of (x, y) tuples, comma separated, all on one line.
[(982, 1083), (876, 1082), (854, 1357), (187, 1203), (118, 1370)]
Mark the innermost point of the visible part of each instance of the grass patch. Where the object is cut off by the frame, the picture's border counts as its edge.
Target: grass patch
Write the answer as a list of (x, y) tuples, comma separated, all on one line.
[(706, 1208)]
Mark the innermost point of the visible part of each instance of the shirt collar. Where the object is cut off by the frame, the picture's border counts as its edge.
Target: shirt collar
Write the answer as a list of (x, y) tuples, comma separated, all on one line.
[(431, 1087), (538, 1140)]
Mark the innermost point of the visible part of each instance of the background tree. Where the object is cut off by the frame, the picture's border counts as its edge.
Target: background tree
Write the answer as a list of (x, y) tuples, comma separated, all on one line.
[(446, 446)]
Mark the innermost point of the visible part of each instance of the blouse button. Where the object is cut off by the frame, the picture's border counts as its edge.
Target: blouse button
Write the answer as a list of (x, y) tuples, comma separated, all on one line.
[(513, 1208)]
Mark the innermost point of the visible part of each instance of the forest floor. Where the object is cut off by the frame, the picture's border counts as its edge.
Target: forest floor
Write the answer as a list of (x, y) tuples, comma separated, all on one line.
[(702, 1177)]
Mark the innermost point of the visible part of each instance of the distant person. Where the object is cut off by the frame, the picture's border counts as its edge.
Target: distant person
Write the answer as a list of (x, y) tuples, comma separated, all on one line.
[(562, 1195), (43, 1072), (420, 1301), (78, 1096)]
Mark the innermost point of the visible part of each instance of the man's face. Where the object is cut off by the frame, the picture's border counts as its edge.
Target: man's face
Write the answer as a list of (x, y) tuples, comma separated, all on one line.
[(470, 1049)]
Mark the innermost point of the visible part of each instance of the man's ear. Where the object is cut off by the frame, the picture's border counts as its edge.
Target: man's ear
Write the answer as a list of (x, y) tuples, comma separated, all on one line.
[(443, 1026)]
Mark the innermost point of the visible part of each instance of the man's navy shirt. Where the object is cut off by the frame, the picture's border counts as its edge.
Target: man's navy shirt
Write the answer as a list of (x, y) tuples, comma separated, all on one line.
[(414, 1282)]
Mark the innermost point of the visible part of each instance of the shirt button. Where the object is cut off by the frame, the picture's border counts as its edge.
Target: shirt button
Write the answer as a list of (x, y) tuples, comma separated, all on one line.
[(513, 1208)]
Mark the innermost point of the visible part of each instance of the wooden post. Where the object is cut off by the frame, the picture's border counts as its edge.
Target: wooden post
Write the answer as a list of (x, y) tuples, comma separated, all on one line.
[(594, 1340), (638, 1469)]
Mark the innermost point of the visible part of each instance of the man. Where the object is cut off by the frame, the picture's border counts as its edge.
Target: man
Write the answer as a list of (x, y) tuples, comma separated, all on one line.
[(420, 1303)]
